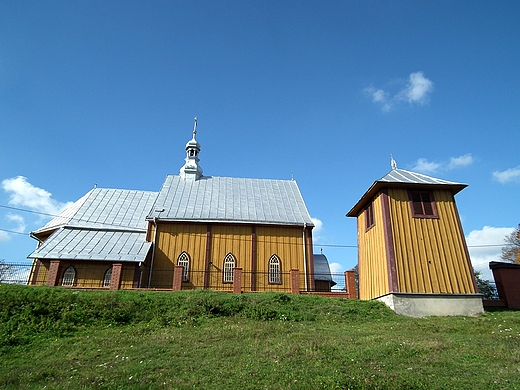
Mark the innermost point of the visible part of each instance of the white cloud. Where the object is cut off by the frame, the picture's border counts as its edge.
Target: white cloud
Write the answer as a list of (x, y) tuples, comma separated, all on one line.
[(19, 220), (461, 161), (416, 91), (318, 226), (509, 175), (24, 194), (424, 166), (336, 268), (481, 254), (4, 236)]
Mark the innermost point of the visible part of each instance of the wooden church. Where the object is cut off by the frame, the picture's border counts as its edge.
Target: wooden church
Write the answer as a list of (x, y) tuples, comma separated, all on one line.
[(204, 226), (411, 248)]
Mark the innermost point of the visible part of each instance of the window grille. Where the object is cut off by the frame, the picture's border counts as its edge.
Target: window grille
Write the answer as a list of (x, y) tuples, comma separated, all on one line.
[(184, 260), (69, 277), (229, 266), (274, 270), (423, 204), (108, 278)]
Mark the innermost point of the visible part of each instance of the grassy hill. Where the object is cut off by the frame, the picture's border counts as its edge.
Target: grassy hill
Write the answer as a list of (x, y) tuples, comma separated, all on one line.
[(55, 338)]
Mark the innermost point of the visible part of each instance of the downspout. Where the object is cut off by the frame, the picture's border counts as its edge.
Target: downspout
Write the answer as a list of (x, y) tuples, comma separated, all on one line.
[(153, 252), (304, 254)]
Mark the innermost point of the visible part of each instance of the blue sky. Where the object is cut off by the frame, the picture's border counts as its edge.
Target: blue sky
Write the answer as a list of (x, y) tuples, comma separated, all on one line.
[(105, 92)]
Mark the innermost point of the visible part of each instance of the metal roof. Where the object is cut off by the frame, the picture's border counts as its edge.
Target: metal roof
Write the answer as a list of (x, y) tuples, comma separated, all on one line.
[(402, 178), (92, 244), (406, 177), (321, 268), (226, 199), (106, 208)]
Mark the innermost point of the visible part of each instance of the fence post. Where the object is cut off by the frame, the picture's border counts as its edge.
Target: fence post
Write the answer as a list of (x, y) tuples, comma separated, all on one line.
[(52, 277), (115, 281), (178, 270), (295, 281), (237, 280), (350, 284)]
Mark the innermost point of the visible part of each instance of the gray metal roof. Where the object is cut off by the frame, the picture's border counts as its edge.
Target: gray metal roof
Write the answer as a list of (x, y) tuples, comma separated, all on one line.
[(92, 244), (106, 208), (227, 199), (321, 268), (401, 176)]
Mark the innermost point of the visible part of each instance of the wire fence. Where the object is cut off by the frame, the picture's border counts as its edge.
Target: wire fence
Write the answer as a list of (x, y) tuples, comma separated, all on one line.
[(134, 277), (15, 273)]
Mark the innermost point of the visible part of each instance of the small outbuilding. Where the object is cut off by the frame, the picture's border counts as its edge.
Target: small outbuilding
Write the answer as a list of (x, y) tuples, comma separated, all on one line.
[(412, 251)]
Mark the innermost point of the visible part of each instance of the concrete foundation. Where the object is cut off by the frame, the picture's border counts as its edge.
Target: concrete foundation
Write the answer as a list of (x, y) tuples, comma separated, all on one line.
[(424, 305)]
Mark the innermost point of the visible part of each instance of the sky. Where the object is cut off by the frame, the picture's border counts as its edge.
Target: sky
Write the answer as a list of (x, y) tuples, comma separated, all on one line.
[(104, 93)]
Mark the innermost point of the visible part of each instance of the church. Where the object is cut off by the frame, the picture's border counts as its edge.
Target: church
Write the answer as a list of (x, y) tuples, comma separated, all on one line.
[(197, 230)]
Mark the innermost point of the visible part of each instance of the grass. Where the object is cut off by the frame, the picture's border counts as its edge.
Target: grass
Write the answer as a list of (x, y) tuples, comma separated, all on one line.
[(59, 339)]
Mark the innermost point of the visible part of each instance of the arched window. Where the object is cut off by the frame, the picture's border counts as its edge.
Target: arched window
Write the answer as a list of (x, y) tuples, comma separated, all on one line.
[(69, 277), (184, 260), (107, 278), (275, 270), (229, 266)]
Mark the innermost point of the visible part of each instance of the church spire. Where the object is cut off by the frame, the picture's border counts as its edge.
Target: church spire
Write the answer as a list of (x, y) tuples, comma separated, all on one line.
[(191, 170)]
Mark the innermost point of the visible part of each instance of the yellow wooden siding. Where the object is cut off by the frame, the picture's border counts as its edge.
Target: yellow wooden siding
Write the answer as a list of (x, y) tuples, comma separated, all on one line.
[(287, 244), (430, 253), (373, 269), (172, 239), (39, 278)]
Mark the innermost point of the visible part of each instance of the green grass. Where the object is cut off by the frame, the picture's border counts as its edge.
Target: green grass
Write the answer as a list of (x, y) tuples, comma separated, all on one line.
[(60, 339)]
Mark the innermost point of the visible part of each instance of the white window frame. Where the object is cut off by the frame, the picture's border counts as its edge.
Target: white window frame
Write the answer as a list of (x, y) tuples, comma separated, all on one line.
[(107, 278), (69, 277), (228, 268), (274, 270), (184, 260)]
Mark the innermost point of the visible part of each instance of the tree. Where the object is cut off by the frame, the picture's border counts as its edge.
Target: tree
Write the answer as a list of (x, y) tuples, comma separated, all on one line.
[(511, 251), (484, 286)]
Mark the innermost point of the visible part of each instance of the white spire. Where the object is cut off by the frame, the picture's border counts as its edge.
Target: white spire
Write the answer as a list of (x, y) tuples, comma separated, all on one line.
[(392, 162), (191, 169)]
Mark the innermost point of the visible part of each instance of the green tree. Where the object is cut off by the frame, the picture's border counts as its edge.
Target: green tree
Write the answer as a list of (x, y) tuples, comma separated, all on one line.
[(511, 251), (484, 286)]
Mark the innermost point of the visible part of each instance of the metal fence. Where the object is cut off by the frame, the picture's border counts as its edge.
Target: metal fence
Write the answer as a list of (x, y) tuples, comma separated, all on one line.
[(162, 279), (15, 273)]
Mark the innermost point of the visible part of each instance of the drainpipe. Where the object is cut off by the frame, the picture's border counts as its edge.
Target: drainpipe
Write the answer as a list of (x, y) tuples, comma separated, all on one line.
[(304, 254), (153, 251)]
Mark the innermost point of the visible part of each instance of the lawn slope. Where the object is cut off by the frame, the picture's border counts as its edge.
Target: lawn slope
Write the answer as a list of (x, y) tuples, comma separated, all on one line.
[(61, 339)]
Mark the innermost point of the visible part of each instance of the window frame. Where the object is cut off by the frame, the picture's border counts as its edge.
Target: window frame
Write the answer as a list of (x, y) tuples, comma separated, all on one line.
[(274, 270), (370, 220), (422, 202), (228, 267), (184, 258), (107, 272), (65, 278)]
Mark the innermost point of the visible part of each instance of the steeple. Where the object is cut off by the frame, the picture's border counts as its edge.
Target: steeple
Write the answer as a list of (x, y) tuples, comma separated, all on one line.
[(191, 170)]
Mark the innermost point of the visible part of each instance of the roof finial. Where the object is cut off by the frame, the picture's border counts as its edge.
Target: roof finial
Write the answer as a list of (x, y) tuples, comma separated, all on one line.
[(194, 127), (392, 162)]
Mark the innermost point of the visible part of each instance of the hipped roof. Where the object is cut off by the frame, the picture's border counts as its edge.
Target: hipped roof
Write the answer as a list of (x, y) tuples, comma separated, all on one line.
[(402, 178)]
